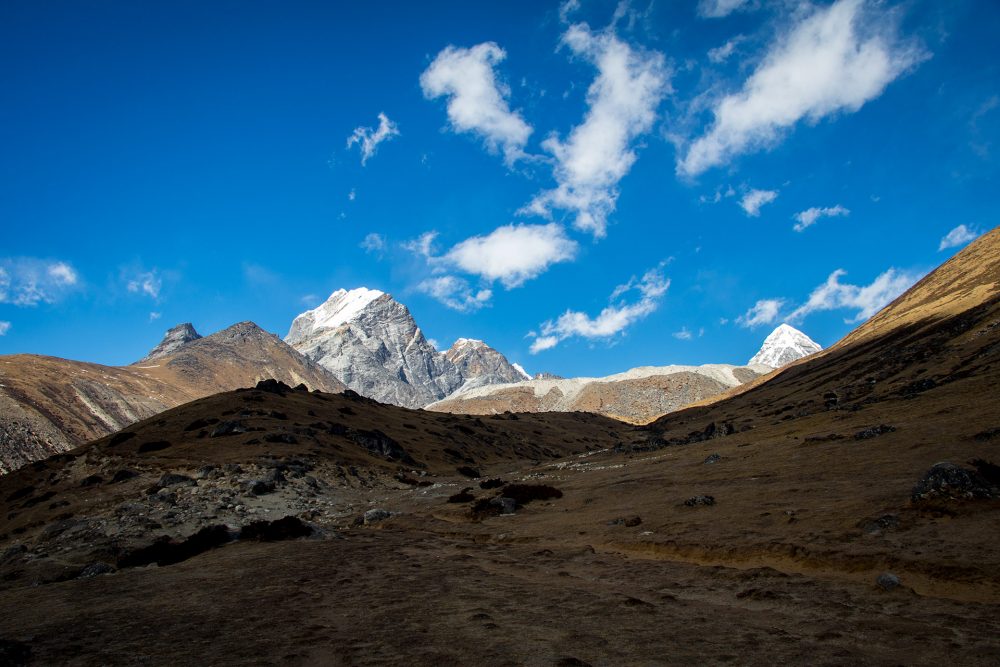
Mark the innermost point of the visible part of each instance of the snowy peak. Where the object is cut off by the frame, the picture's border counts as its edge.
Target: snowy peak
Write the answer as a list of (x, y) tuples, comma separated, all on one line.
[(783, 346), (173, 340), (342, 307), (520, 369)]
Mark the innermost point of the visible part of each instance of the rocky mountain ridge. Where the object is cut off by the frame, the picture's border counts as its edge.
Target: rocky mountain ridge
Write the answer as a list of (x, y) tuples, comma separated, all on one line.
[(372, 344), (175, 338), (49, 405)]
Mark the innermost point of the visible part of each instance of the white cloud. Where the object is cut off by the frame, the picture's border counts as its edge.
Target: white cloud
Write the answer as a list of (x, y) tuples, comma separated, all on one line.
[(721, 54), (866, 300), (455, 293), (567, 8), (808, 217), (423, 245), (352, 195), (511, 254), (148, 283), (683, 334), (715, 9), (477, 100), (4, 328), (754, 199), (433, 343), (599, 152), (612, 320), (373, 243), (956, 237), (834, 60), (27, 281), (368, 139), (764, 311), (155, 316)]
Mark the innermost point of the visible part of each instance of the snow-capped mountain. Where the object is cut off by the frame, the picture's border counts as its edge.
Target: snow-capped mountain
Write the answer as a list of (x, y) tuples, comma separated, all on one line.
[(175, 338), (783, 346), (371, 342)]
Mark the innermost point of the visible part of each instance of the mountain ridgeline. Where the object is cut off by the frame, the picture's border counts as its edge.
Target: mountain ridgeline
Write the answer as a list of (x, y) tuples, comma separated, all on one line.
[(361, 339)]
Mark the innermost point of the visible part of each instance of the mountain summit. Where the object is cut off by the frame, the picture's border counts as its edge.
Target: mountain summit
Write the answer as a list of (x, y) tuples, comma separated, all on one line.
[(371, 342), (783, 346), (173, 340)]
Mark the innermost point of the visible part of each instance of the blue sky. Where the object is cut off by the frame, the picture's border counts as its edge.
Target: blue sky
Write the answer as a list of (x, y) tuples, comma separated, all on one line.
[(587, 186)]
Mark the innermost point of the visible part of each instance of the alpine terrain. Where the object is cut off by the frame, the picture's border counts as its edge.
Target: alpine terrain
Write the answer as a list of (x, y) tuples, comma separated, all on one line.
[(842, 509), (372, 344)]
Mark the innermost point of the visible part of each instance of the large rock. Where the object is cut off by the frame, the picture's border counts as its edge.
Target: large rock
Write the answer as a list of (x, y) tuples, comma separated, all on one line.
[(949, 481)]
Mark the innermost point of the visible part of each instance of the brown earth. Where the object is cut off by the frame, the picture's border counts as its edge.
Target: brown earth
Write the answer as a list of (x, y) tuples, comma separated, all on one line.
[(49, 405), (811, 482)]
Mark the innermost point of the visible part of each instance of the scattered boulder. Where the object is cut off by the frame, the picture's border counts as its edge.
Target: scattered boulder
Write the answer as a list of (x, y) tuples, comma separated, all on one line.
[(712, 458), (228, 427), (873, 432), (880, 524), (208, 472), (96, 569), (695, 501), (92, 480), (379, 444), (282, 438), (175, 479), (887, 581), (469, 471), (628, 522), (949, 481), (375, 516), (495, 483), (259, 487), (504, 504)]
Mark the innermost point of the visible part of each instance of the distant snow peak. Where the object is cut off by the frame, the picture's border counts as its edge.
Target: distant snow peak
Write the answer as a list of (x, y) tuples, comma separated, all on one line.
[(520, 369), (783, 346), (342, 307)]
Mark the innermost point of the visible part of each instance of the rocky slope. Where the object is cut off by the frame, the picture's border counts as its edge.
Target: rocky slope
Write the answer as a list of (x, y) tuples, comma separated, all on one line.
[(372, 344), (49, 405), (173, 340), (783, 346), (637, 396)]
